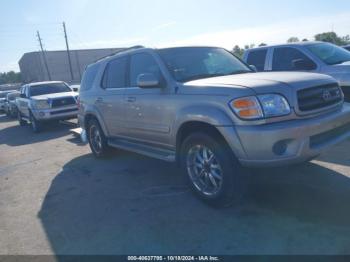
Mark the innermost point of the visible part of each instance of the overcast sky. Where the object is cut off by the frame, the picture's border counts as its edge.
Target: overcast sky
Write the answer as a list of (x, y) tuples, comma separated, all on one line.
[(162, 23)]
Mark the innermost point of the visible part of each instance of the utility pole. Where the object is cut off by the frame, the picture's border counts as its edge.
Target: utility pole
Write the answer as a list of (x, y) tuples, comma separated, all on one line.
[(68, 52), (44, 54)]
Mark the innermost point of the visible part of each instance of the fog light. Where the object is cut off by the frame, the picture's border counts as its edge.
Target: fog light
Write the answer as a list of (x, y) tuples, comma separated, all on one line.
[(280, 147)]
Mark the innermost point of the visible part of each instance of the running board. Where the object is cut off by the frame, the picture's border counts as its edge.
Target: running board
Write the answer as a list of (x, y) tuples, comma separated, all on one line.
[(162, 154)]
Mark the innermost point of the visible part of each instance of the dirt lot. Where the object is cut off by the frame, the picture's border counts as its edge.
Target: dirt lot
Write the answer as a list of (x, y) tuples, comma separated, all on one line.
[(55, 198)]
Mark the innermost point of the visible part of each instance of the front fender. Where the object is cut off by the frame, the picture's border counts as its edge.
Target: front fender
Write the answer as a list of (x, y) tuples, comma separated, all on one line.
[(213, 116)]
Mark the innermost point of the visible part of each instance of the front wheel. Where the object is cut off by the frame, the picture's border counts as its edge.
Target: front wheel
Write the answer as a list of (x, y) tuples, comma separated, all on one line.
[(213, 171), (35, 124), (20, 119)]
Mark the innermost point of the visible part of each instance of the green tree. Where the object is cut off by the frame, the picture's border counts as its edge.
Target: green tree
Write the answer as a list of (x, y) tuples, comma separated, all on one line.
[(10, 77), (262, 44), (332, 37), (293, 39), (237, 51)]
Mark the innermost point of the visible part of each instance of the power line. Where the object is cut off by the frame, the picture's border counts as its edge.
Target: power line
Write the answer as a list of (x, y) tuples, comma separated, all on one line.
[(44, 54), (68, 53)]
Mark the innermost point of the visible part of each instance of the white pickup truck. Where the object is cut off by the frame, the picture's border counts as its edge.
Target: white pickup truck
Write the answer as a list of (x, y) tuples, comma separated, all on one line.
[(46, 101)]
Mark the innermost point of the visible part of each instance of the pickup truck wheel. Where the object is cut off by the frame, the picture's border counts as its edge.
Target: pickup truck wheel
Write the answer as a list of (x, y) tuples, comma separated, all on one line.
[(97, 140), (35, 124), (213, 171), (20, 120)]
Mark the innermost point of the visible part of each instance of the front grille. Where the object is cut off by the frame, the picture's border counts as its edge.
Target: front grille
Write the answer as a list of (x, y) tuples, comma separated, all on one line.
[(325, 137), (63, 111), (66, 101), (319, 97)]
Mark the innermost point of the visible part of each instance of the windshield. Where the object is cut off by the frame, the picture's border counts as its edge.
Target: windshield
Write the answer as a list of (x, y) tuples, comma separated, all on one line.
[(45, 89), (191, 63), (329, 53)]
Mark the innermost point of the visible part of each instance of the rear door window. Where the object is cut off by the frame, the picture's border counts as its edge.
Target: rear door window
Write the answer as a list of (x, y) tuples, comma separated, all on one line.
[(257, 58), (89, 77), (283, 58)]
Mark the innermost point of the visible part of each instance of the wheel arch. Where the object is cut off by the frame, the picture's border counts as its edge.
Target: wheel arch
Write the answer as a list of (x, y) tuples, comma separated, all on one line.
[(190, 127), (91, 115)]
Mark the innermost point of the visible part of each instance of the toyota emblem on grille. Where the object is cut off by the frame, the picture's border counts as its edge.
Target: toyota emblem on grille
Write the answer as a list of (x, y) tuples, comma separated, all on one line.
[(326, 95)]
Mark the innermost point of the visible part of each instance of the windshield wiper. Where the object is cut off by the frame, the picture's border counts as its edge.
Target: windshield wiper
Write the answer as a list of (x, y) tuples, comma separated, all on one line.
[(240, 72), (196, 77), (339, 62)]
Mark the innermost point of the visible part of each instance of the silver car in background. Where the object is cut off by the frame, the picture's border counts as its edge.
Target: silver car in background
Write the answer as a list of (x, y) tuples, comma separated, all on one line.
[(11, 105), (3, 95), (316, 57)]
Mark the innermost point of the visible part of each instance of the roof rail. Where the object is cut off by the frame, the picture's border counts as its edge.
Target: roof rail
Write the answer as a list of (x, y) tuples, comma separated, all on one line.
[(120, 51)]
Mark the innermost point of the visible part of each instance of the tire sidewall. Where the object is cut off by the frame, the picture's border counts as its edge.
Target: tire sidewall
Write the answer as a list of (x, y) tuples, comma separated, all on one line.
[(20, 120), (232, 188), (35, 124), (105, 148)]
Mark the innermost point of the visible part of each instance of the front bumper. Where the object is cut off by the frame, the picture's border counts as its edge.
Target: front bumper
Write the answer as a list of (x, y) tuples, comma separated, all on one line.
[(56, 114), (294, 141)]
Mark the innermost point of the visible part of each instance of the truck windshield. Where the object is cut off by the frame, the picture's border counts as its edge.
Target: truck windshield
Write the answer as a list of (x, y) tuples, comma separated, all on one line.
[(45, 89), (329, 53), (192, 63)]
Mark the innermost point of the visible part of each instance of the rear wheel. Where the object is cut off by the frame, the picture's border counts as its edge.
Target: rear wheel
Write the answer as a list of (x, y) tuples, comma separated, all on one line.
[(97, 139), (214, 173)]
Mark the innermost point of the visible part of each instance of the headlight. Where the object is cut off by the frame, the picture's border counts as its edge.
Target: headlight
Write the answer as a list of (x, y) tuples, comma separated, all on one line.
[(274, 105), (41, 104), (262, 106)]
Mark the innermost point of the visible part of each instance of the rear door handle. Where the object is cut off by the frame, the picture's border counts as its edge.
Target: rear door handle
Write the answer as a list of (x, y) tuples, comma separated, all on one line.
[(99, 100), (131, 99)]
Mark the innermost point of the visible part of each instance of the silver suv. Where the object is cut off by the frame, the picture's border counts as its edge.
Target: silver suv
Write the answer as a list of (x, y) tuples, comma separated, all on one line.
[(46, 101), (205, 109), (316, 57)]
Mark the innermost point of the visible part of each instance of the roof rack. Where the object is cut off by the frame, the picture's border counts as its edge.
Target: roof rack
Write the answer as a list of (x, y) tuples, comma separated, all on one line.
[(120, 51)]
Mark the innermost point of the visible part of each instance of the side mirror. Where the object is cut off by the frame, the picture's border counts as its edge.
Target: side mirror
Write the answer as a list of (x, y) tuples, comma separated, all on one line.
[(75, 89), (253, 67), (22, 96), (147, 81), (301, 64)]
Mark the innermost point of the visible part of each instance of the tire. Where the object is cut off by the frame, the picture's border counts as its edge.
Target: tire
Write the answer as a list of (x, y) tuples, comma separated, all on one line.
[(20, 120), (216, 177), (35, 124), (97, 139)]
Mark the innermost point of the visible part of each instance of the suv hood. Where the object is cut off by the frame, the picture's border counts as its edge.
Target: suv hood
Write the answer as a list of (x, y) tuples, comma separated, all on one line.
[(55, 95), (266, 81)]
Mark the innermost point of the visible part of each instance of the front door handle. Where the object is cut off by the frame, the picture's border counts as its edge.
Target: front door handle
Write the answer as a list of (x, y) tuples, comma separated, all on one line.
[(131, 99)]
